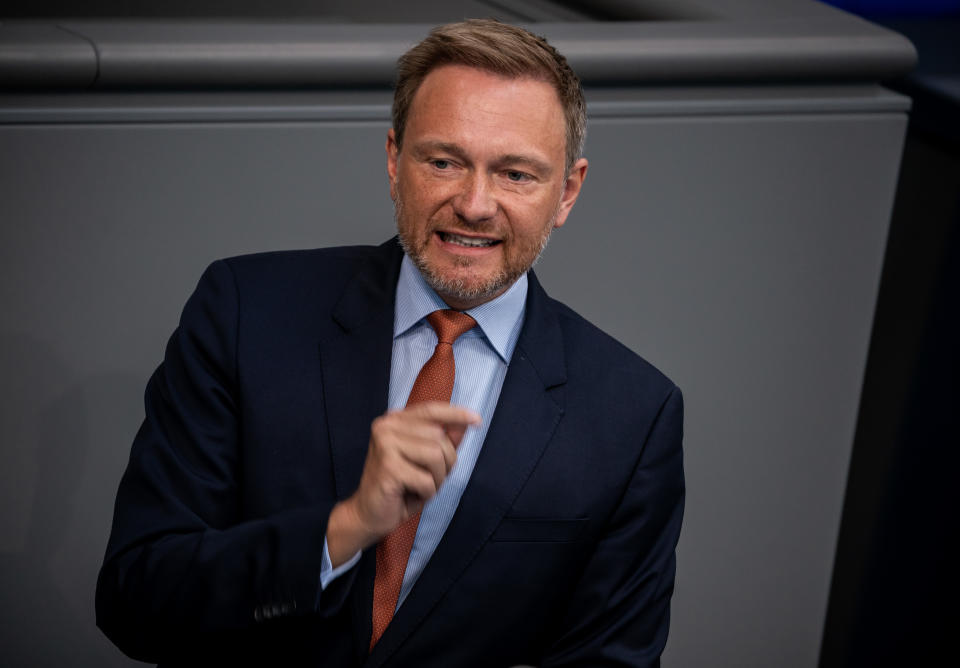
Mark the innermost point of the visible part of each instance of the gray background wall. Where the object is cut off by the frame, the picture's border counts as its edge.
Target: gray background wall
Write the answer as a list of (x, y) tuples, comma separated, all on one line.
[(733, 235)]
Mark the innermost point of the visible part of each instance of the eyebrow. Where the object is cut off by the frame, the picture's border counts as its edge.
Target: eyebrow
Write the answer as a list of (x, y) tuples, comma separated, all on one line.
[(458, 152)]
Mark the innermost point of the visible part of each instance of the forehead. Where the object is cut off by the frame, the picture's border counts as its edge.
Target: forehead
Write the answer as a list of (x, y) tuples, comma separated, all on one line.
[(488, 109)]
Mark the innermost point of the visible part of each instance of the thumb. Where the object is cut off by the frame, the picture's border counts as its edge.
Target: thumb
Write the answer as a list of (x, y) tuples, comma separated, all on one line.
[(455, 433)]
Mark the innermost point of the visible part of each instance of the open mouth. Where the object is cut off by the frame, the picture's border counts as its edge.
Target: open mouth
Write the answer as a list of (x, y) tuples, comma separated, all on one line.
[(467, 242)]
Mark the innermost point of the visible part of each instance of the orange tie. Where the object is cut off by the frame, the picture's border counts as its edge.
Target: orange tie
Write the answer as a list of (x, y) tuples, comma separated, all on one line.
[(433, 383)]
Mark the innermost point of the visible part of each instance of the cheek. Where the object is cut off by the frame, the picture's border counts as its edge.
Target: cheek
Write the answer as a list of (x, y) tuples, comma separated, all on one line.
[(531, 222), (422, 197)]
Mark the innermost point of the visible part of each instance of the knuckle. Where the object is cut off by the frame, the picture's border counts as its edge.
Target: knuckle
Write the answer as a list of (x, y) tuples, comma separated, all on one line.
[(429, 484), (379, 424), (383, 427)]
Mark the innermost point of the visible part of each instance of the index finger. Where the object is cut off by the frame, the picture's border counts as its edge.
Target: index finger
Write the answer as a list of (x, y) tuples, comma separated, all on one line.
[(445, 414)]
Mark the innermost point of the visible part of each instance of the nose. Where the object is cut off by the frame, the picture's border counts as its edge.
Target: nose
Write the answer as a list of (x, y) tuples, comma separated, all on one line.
[(476, 201)]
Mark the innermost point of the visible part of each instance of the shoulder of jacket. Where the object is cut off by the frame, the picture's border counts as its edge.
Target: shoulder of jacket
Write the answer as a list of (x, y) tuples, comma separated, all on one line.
[(587, 341)]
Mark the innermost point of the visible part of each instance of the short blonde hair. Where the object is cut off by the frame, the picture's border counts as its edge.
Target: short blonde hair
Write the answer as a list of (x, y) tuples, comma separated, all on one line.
[(500, 48)]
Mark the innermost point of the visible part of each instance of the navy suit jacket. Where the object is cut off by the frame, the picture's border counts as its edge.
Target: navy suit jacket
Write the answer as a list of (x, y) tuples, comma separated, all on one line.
[(561, 551)]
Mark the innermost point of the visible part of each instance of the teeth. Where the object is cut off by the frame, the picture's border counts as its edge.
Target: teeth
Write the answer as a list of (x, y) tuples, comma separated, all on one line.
[(467, 241)]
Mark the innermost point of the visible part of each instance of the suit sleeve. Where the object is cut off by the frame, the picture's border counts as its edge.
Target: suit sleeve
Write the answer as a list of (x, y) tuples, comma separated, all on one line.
[(182, 562), (620, 611)]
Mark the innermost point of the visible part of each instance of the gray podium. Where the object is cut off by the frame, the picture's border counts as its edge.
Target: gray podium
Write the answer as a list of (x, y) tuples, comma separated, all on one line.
[(731, 230)]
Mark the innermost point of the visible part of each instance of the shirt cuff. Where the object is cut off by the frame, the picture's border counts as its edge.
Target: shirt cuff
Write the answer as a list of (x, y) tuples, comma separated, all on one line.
[(328, 573)]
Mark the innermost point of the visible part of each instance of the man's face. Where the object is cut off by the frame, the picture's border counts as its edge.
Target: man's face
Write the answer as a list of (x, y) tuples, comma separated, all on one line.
[(480, 182)]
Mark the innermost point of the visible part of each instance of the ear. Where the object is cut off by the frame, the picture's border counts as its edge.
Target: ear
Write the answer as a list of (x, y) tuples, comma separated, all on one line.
[(392, 152), (571, 190)]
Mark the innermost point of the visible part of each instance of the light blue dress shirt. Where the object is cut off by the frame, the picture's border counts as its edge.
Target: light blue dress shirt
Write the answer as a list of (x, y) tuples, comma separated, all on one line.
[(482, 356)]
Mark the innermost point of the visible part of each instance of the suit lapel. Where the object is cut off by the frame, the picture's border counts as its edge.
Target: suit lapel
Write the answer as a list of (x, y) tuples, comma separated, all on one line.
[(527, 414), (355, 364)]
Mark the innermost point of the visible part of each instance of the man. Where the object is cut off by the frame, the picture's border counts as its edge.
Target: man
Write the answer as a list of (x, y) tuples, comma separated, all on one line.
[(327, 475)]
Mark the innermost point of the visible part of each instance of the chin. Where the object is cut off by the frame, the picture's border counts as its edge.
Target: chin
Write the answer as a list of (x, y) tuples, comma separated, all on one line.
[(464, 287)]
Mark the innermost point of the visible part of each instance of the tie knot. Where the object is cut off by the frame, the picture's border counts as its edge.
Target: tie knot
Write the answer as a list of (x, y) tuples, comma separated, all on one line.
[(449, 324)]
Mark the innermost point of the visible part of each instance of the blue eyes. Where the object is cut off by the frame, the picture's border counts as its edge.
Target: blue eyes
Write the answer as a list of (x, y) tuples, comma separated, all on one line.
[(512, 175)]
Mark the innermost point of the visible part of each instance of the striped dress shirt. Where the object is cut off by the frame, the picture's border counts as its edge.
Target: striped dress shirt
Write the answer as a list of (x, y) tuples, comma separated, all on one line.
[(482, 356)]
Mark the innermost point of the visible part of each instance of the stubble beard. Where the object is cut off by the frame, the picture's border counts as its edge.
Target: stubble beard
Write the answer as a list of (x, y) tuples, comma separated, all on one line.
[(460, 288)]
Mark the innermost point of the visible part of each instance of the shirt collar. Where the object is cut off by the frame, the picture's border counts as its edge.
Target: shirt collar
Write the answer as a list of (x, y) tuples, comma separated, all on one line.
[(499, 319)]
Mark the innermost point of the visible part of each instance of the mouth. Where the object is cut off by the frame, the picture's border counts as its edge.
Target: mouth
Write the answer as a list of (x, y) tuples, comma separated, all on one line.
[(467, 242)]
